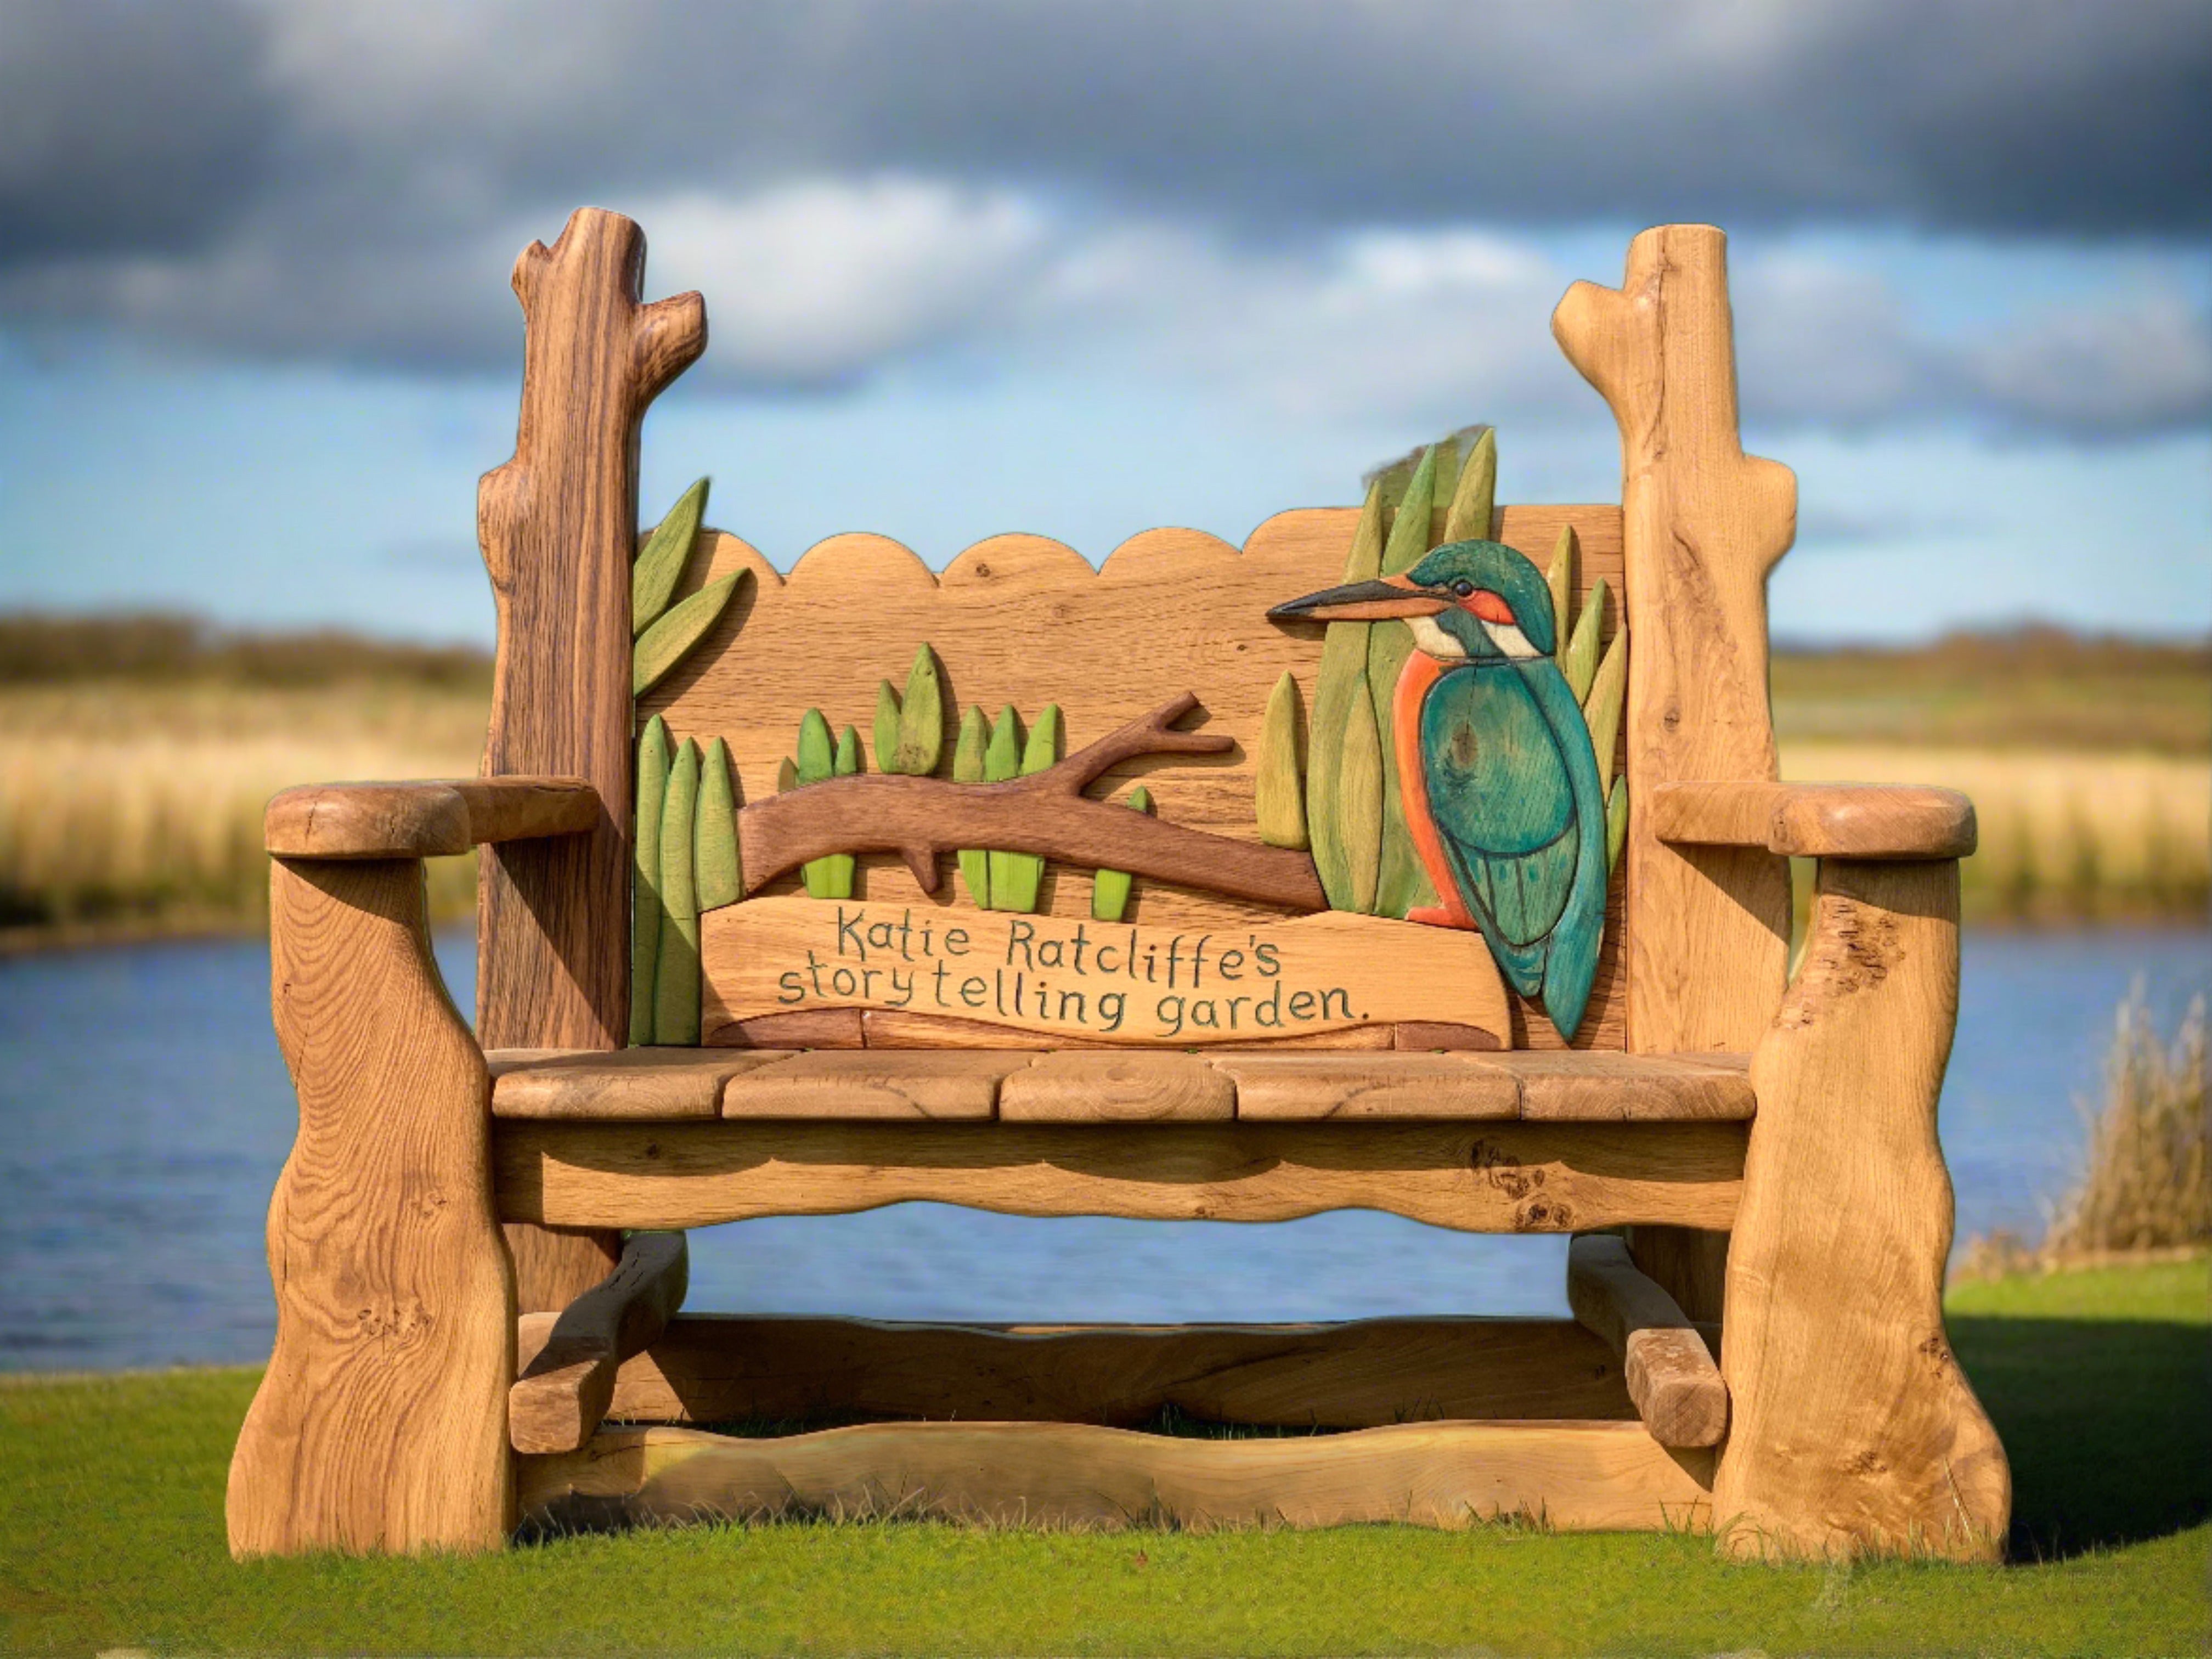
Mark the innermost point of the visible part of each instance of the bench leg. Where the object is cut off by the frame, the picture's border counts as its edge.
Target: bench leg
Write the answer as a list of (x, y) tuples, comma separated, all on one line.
[(381, 1424), (1852, 1428)]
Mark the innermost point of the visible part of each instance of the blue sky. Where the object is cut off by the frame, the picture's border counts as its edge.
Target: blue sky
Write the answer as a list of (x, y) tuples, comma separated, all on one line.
[(1082, 271)]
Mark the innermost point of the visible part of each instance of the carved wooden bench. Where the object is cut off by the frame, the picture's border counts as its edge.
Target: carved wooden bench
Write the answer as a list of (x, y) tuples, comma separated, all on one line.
[(1366, 866)]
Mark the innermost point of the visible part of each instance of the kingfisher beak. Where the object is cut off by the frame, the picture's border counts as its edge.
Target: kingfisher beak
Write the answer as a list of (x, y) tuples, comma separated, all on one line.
[(1390, 595)]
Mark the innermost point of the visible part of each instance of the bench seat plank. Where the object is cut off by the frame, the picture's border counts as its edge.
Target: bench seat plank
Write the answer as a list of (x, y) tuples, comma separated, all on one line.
[(847, 1083), (1615, 1087), (643, 1084), (1391, 1087), (1119, 1086), (1128, 1087)]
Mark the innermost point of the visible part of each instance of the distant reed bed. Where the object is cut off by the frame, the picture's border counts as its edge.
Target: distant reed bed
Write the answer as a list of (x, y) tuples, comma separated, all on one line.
[(2146, 1182), (2065, 837), (128, 806)]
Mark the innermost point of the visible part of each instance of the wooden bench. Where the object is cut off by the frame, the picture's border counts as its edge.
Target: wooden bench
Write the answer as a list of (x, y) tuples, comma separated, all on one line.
[(1439, 899)]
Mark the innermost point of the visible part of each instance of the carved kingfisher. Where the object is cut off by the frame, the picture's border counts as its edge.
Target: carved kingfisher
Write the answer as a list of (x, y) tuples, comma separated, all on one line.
[(1496, 778)]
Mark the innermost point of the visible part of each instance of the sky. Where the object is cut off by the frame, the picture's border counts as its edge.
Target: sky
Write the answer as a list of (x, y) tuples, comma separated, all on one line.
[(1084, 269)]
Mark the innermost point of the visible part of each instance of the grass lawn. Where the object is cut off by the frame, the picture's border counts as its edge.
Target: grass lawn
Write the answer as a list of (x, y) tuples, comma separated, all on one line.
[(2100, 1382)]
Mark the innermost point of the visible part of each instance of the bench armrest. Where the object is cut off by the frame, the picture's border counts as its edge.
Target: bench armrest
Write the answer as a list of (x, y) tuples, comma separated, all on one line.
[(424, 820), (1818, 820)]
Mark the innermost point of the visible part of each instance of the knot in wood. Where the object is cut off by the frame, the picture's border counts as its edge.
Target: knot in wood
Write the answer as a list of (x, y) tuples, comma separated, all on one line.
[(1543, 1214), (404, 1324)]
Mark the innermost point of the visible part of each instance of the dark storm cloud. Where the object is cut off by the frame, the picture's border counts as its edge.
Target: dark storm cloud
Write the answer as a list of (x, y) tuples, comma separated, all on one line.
[(128, 127), (152, 122), (861, 178)]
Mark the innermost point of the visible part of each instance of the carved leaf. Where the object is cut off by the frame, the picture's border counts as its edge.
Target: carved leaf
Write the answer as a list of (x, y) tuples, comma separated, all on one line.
[(844, 764), (968, 766), (1360, 802), (1340, 684), (666, 643), (886, 729), (818, 761), (1560, 579), (720, 877), (645, 910), (1601, 708), (1015, 877), (659, 567), (1109, 889), (1399, 883), (676, 977), (1616, 823), (1474, 498), (1579, 661), (921, 720), (1279, 796)]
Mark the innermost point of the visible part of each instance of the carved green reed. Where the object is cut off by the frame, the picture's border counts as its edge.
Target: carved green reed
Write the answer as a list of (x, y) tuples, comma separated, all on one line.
[(714, 856), (1109, 889), (1279, 800), (970, 759), (647, 911), (676, 977)]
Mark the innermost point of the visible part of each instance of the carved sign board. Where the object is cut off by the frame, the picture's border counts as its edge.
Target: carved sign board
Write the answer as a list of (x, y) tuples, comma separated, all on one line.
[(1107, 981)]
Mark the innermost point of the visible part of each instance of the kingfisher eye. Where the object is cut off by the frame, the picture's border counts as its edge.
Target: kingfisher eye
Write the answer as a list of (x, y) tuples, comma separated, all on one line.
[(1463, 588)]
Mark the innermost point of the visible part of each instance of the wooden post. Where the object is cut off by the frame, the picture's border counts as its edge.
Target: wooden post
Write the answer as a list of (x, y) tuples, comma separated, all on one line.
[(1853, 1428), (1703, 523), (1702, 526), (381, 1424), (558, 524)]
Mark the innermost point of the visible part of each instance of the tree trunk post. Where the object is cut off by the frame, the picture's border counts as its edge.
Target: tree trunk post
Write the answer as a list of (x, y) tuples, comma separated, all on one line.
[(558, 526)]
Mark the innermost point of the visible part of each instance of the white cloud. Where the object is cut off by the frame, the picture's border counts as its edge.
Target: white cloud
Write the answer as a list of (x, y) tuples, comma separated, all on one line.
[(2134, 361), (833, 278)]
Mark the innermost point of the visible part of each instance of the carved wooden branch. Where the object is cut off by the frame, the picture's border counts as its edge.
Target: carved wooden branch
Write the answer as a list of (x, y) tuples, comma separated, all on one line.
[(1046, 812)]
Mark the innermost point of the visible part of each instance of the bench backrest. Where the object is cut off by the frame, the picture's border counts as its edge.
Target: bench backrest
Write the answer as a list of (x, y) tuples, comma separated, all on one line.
[(1022, 621)]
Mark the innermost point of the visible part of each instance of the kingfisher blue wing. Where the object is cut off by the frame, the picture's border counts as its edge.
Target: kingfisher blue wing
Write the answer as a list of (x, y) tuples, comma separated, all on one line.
[(1510, 783)]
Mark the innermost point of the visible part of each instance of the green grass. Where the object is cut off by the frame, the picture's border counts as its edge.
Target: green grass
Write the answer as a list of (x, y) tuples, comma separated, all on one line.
[(2098, 1381)]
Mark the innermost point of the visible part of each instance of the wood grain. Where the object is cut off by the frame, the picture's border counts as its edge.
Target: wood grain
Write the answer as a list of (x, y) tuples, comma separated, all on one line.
[(1689, 1264), (1565, 1088), (554, 1266), (558, 526), (1397, 1087), (1854, 1427), (1573, 1476), (830, 1028), (1596, 1088), (380, 1424), (565, 1363), (1117, 1088), (843, 1085), (714, 1368), (1483, 1177), (646, 1084), (1703, 525), (1818, 820), (1670, 1372), (856, 606), (434, 818)]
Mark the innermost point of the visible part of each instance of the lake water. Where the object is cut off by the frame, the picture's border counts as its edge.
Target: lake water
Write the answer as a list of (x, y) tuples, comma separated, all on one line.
[(144, 1113)]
